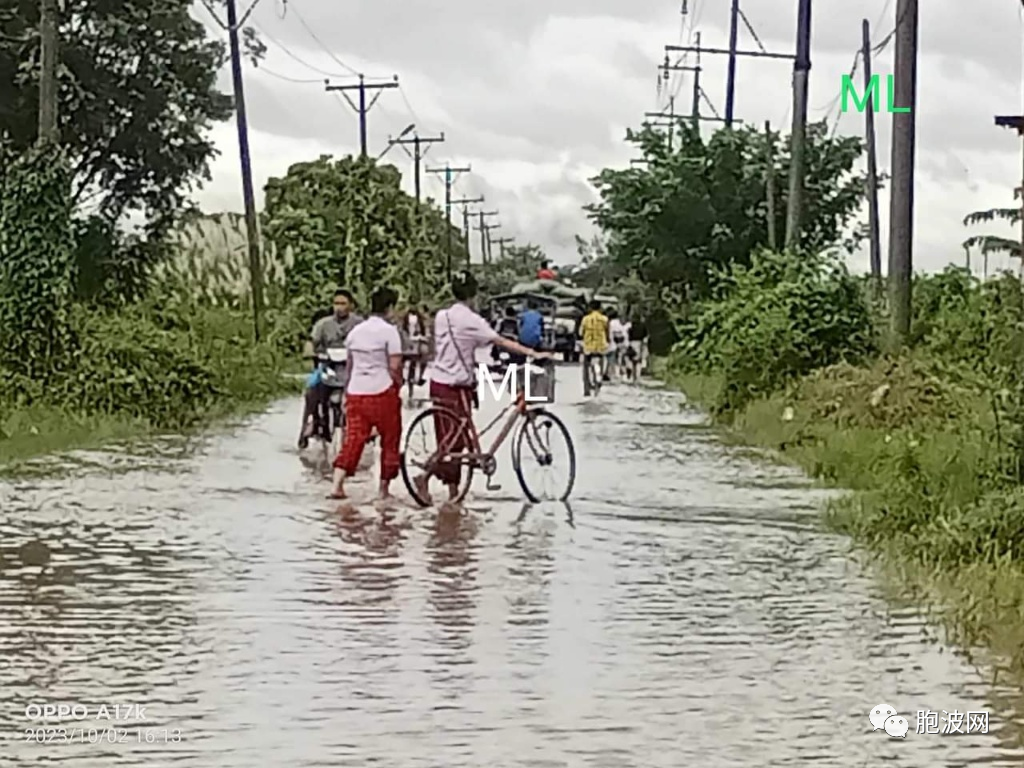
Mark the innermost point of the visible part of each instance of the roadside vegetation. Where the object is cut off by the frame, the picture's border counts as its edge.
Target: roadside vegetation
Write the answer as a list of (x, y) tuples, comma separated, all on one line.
[(791, 351), (124, 311)]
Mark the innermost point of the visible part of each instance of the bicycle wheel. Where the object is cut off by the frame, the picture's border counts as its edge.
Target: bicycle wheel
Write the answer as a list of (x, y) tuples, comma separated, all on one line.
[(535, 432), (422, 453)]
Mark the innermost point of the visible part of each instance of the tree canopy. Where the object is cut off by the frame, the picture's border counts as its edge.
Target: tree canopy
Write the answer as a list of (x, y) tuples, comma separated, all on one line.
[(698, 206), (137, 98), (348, 222)]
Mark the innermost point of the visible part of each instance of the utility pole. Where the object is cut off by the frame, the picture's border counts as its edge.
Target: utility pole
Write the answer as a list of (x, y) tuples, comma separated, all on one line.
[(732, 53), (670, 116), (769, 184), (482, 229), (362, 108), (487, 235), (875, 236), (798, 138), (450, 176), (418, 153), (251, 226), (465, 203), (901, 207), (1017, 122), (49, 132), (698, 92), (730, 85), (695, 105), (501, 245)]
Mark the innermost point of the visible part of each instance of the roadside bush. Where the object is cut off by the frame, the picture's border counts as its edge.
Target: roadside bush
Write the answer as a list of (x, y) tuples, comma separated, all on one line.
[(980, 324), (909, 391), (127, 364), (168, 368), (780, 318)]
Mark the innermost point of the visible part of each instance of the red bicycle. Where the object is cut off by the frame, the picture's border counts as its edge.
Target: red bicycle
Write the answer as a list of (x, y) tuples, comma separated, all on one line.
[(532, 425)]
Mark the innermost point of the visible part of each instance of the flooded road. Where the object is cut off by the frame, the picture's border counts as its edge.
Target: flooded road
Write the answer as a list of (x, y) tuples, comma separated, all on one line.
[(690, 612)]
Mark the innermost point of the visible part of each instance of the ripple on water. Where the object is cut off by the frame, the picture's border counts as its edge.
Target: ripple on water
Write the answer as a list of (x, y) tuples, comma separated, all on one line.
[(694, 612)]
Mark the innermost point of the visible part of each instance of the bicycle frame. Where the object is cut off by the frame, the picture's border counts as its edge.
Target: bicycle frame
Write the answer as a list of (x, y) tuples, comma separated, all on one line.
[(475, 455)]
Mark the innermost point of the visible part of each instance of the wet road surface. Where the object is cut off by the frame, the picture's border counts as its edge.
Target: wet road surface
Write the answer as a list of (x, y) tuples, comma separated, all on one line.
[(691, 613)]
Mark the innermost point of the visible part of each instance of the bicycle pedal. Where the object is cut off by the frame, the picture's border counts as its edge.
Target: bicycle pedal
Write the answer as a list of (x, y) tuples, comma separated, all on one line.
[(493, 486)]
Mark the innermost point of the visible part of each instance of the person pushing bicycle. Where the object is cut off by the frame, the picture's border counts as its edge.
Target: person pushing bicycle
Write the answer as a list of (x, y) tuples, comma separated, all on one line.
[(459, 332)]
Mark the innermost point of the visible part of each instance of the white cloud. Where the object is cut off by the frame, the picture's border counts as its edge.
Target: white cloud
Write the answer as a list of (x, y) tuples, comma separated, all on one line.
[(537, 96)]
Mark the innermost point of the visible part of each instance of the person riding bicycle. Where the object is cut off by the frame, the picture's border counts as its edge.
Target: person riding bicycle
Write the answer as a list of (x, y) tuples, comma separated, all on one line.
[(596, 337), (459, 332), (329, 332)]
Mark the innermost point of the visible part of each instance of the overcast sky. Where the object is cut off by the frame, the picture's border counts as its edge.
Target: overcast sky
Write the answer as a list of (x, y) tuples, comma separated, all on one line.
[(536, 96)]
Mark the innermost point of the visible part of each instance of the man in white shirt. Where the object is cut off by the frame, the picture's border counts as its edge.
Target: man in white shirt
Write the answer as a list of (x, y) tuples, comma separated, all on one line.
[(372, 399), (618, 335)]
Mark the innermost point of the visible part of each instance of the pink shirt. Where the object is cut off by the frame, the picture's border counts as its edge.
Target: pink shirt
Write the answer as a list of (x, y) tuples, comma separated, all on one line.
[(370, 344), (455, 346)]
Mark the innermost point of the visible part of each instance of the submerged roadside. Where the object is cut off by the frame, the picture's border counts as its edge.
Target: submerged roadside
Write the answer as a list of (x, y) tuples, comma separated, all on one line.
[(926, 503)]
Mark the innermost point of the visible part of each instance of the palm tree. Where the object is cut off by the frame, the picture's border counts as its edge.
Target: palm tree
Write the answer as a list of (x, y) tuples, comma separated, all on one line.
[(988, 244)]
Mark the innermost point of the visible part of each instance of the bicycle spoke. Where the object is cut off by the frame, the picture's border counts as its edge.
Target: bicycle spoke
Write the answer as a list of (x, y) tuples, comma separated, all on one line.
[(537, 435)]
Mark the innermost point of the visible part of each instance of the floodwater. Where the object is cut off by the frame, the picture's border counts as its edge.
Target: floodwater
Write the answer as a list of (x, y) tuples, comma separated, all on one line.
[(691, 612)]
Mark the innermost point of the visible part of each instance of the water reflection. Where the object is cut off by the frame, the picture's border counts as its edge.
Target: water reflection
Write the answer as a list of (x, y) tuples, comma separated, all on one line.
[(452, 568), (707, 622)]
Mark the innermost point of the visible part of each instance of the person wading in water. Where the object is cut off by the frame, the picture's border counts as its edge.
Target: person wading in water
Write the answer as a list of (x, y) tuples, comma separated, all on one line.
[(459, 332), (373, 400)]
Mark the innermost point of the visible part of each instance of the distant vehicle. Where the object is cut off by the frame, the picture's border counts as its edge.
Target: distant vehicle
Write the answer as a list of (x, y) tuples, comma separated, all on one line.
[(546, 305), (572, 305)]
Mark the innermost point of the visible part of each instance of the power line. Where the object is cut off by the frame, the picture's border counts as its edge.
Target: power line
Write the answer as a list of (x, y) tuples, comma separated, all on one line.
[(412, 112), (888, 38), (319, 42), (287, 79), (296, 58)]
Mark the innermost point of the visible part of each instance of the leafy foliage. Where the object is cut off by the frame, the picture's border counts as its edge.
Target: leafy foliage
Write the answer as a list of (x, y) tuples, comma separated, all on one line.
[(703, 206), (773, 321), (37, 270), (989, 244), (348, 222), (137, 96)]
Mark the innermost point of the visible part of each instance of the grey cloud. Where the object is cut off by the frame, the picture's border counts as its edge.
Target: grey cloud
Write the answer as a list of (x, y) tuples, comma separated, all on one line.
[(476, 64), (430, 33)]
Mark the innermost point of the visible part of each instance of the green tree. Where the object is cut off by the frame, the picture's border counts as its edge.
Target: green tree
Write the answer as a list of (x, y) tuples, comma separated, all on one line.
[(36, 260), (137, 97), (989, 244), (348, 222), (703, 204)]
